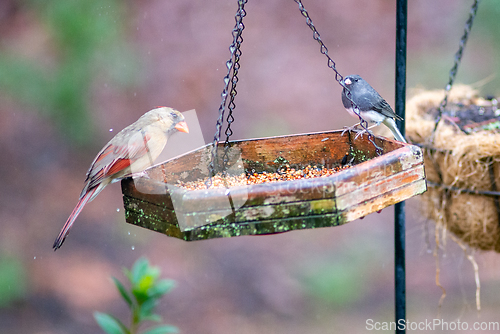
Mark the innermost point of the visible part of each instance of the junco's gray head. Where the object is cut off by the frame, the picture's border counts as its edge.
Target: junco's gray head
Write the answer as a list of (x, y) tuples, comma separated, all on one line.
[(364, 96), (353, 80)]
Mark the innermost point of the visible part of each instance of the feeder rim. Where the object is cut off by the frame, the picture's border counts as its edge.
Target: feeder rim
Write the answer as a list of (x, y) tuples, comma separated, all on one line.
[(297, 135), (273, 137)]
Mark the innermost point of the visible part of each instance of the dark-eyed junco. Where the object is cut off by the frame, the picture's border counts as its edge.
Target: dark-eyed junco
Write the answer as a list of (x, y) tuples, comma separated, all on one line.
[(372, 106)]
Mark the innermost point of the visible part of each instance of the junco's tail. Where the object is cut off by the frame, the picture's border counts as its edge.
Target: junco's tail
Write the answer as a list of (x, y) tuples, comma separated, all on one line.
[(391, 124)]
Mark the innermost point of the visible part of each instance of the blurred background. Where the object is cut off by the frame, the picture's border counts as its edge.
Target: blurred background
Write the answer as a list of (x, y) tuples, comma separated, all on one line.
[(73, 73)]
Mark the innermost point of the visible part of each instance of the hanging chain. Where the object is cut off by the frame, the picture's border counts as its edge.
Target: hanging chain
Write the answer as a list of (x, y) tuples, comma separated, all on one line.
[(232, 67), (338, 77), (237, 40), (458, 59)]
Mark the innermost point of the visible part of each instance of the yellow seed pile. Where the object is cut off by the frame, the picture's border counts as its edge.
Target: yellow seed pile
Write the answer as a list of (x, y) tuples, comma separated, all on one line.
[(284, 174), (218, 181), (289, 174)]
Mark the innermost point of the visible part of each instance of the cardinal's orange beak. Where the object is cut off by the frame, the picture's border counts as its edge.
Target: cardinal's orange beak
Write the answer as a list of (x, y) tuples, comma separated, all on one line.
[(182, 127)]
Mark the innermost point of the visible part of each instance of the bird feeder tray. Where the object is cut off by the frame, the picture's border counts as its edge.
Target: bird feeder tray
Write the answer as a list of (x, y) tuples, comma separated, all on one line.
[(372, 182)]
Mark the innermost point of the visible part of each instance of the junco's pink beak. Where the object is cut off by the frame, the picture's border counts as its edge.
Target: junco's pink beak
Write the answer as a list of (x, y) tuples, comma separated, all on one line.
[(182, 127)]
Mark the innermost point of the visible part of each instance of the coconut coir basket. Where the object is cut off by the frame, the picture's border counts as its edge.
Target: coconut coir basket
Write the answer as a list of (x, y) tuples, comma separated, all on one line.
[(462, 163)]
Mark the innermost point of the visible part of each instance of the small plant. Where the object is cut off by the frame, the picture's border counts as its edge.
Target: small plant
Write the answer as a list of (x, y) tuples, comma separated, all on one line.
[(142, 298)]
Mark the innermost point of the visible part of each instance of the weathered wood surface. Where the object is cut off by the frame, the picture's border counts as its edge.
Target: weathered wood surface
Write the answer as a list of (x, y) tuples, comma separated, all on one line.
[(373, 183)]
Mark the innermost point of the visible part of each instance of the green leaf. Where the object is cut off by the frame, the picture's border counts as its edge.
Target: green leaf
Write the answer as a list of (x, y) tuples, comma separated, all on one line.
[(161, 288), (146, 309), (139, 269), (145, 283), (165, 329), (123, 291), (110, 324)]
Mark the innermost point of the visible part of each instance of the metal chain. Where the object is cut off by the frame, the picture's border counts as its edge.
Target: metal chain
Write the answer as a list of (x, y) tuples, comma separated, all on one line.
[(458, 59), (237, 39), (338, 77), (234, 49)]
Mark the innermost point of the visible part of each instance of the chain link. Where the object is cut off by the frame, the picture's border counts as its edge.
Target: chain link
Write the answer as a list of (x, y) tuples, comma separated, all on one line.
[(338, 77), (232, 66), (238, 38), (234, 80), (458, 59)]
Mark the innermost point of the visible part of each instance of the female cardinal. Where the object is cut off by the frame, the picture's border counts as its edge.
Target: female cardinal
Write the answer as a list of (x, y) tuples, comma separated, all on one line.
[(131, 151)]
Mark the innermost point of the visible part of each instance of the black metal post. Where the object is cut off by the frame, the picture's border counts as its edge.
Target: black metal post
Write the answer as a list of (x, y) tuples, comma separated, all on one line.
[(399, 210)]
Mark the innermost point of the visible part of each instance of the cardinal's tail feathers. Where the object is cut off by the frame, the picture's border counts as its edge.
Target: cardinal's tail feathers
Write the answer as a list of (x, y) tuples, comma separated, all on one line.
[(76, 211)]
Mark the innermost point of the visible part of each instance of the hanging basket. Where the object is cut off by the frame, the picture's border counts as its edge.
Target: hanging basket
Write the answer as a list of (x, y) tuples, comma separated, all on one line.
[(462, 165), (366, 183)]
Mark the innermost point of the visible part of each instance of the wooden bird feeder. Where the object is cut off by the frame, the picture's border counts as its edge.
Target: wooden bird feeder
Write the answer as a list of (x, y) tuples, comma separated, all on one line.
[(372, 182)]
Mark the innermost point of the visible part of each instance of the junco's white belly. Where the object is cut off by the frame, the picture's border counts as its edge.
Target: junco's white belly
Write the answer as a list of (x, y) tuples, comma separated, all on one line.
[(369, 115)]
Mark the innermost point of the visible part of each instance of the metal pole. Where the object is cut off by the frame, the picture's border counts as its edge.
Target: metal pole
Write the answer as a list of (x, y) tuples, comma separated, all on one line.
[(399, 210)]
